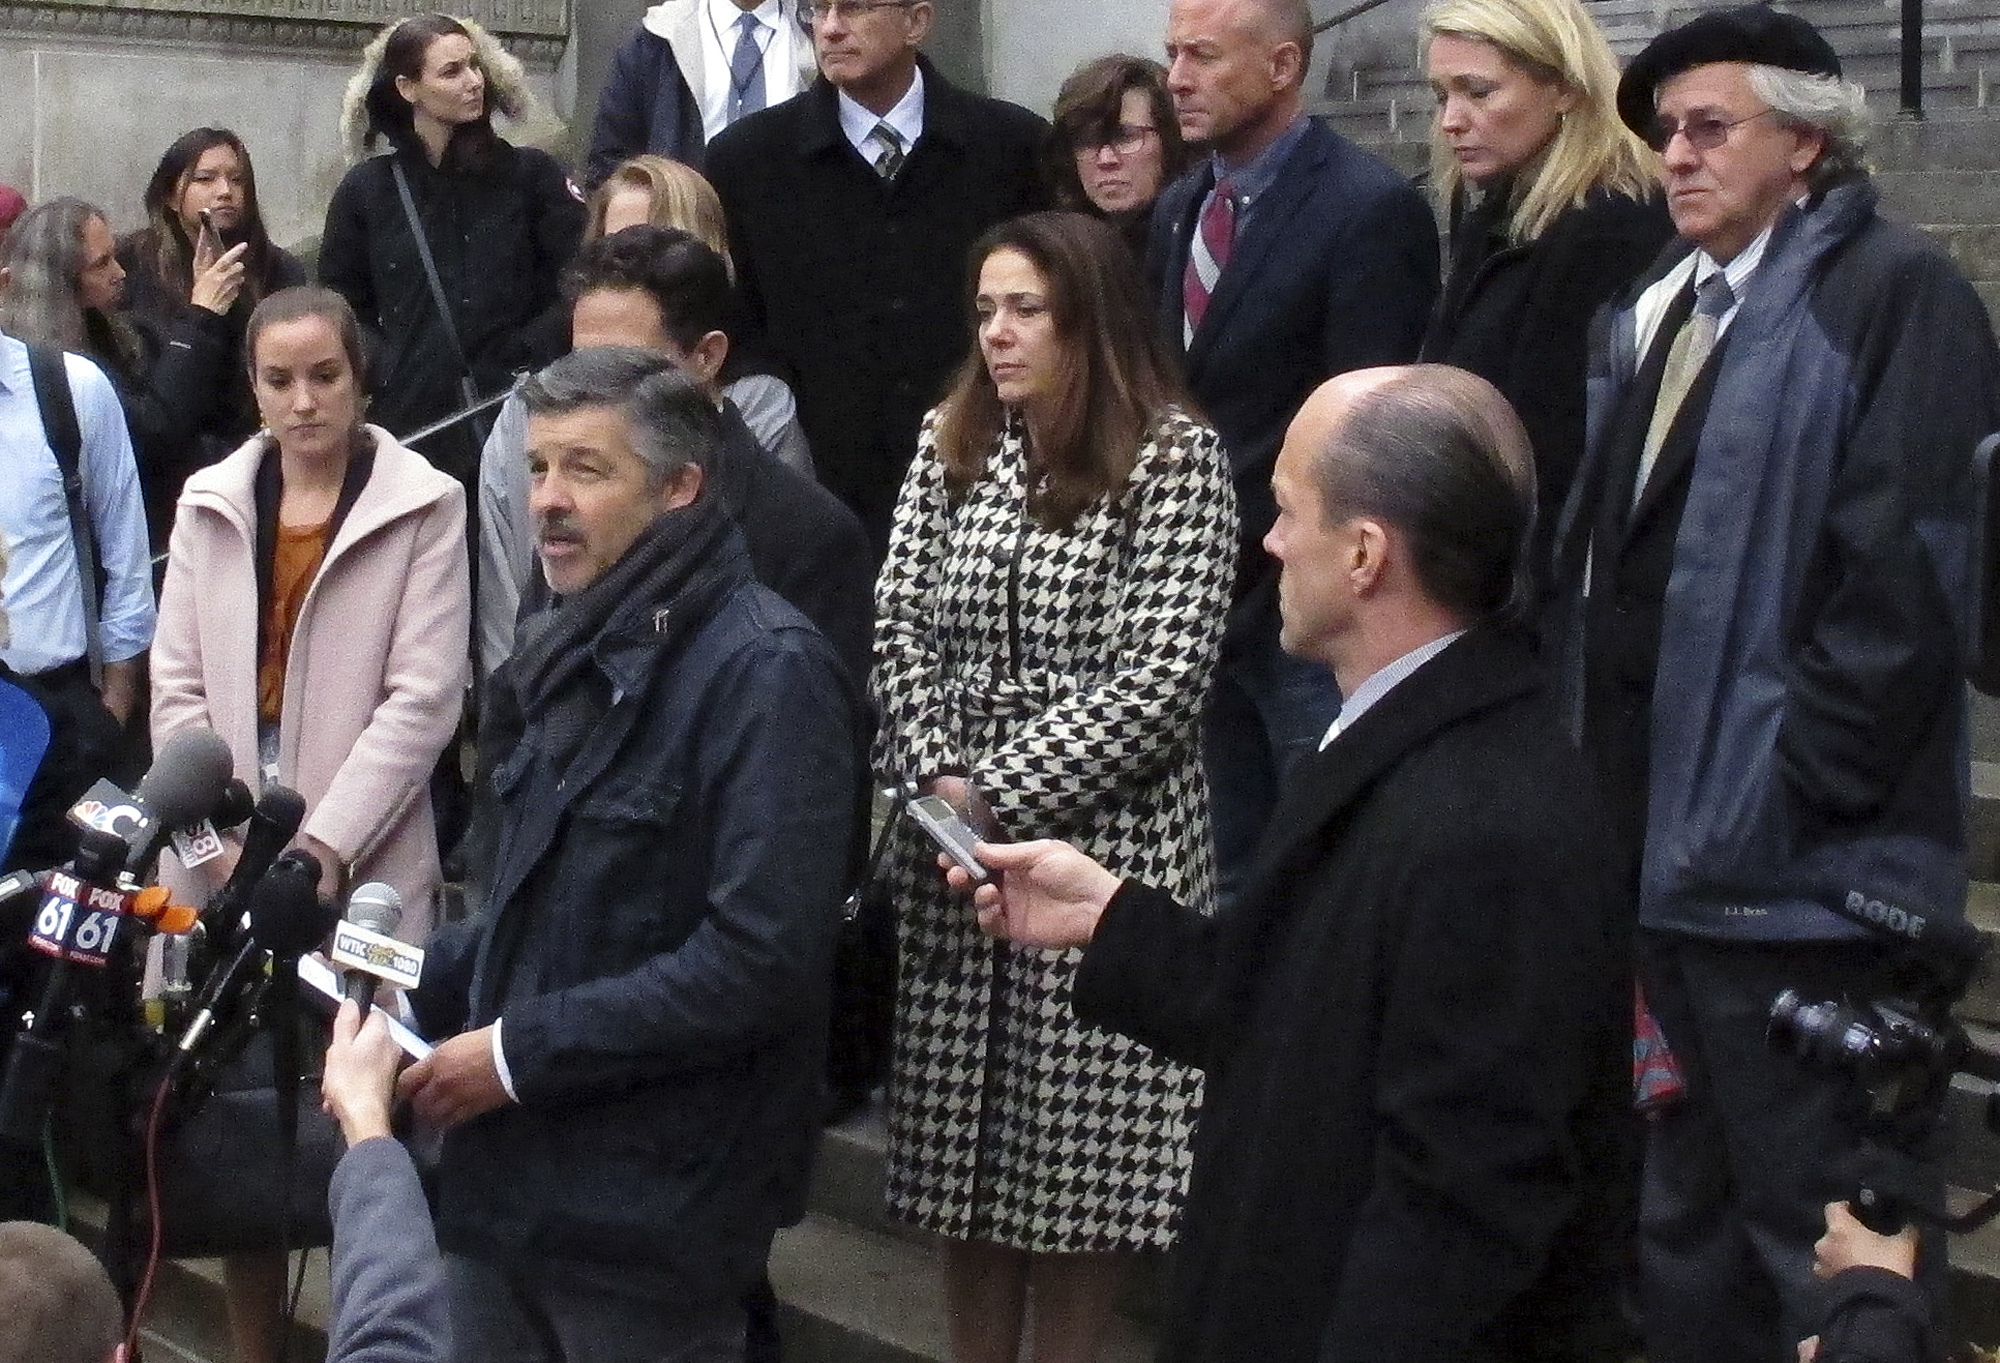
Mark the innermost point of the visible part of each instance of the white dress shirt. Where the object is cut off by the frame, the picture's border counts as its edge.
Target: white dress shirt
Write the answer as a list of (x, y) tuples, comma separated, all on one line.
[(782, 38), (907, 118), (1381, 683)]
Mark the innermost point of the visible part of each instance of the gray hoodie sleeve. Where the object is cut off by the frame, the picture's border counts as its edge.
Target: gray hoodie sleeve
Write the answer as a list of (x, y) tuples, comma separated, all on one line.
[(388, 1279)]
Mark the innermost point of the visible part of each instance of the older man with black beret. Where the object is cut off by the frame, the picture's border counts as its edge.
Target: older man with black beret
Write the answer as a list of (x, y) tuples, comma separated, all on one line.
[(1765, 558)]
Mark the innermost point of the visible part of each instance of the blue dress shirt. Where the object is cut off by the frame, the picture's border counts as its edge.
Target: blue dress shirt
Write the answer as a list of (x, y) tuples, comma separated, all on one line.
[(39, 591)]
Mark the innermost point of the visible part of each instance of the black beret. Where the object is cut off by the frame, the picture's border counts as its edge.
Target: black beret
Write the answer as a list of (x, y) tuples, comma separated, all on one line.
[(1756, 34)]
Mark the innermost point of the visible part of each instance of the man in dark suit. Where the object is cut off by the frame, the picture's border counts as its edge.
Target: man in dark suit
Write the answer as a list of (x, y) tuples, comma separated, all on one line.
[(851, 209), (1415, 1021), (1288, 256)]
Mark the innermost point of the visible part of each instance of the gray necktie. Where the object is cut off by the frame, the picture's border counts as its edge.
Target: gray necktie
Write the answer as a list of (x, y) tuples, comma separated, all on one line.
[(1692, 346), (891, 159), (746, 71)]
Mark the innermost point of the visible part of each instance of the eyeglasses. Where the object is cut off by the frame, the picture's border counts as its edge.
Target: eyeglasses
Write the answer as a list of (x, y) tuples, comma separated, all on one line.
[(1126, 139), (849, 10), (1704, 132)]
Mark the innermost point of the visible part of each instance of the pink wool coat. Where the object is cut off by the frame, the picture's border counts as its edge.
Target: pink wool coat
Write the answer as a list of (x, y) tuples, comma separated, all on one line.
[(378, 663)]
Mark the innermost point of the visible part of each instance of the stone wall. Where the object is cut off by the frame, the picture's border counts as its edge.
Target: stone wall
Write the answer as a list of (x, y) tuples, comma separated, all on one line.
[(94, 92), (1031, 45)]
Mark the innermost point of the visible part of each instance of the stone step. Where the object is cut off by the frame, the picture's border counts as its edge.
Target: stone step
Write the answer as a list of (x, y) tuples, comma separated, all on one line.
[(848, 1294), (849, 1175), (1975, 248), (185, 1321), (1943, 196), (1983, 831)]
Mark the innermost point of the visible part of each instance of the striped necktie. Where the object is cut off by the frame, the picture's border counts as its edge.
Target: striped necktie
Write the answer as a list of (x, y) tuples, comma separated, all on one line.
[(891, 159), (1693, 344), (1208, 253)]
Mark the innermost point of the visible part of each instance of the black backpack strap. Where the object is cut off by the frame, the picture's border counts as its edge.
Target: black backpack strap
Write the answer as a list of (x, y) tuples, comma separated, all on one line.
[(59, 428)]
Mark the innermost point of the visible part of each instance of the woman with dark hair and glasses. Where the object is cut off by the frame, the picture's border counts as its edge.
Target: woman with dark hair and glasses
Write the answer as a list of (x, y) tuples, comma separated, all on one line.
[(1047, 620), (1115, 143), (499, 222), (204, 259), (1553, 205)]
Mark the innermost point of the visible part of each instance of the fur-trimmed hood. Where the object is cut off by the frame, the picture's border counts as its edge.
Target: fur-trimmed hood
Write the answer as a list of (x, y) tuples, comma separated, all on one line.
[(520, 116)]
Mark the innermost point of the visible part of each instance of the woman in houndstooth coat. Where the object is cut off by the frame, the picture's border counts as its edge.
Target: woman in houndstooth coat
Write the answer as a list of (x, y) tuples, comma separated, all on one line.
[(1047, 620)]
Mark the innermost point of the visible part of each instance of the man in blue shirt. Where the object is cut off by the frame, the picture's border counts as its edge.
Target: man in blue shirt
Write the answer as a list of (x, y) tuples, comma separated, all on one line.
[(89, 687)]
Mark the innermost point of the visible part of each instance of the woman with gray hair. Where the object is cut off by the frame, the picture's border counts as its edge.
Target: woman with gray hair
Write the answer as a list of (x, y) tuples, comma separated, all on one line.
[(61, 285)]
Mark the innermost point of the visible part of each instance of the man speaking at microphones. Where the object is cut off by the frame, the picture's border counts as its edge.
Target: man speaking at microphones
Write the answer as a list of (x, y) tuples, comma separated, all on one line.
[(630, 1101)]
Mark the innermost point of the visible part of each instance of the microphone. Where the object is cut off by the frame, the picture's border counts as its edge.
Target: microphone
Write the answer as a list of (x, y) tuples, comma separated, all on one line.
[(286, 919), (81, 910), (363, 943), (185, 782), (236, 804), (278, 813)]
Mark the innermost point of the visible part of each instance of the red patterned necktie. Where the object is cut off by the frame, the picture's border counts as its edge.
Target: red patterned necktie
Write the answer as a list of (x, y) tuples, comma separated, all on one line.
[(1208, 253)]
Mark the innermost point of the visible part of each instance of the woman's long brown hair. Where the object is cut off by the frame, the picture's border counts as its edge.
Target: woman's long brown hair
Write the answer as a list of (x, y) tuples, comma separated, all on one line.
[(1120, 377)]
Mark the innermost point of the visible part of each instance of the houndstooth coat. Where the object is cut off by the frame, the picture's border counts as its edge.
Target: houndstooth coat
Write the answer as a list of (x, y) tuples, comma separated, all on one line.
[(1063, 672)]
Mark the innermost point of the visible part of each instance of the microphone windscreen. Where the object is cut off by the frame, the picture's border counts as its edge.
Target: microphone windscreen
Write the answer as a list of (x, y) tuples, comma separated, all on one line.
[(287, 918), (377, 907), (235, 805), (186, 779), (283, 808)]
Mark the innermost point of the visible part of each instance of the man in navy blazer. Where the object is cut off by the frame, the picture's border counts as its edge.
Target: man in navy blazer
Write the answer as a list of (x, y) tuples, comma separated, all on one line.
[(1331, 265)]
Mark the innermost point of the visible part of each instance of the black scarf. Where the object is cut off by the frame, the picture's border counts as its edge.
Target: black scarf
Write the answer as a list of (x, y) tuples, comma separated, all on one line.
[(664, 587)]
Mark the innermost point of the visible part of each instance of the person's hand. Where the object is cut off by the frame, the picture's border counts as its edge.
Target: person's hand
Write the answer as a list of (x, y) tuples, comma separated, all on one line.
[(216, 287), (456, 1082), (1044, 894), (1808, 1349), (360, 1075), (1849, 1244)]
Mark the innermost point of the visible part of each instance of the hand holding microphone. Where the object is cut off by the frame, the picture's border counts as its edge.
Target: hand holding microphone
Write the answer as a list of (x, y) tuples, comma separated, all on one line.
[(364, 943)]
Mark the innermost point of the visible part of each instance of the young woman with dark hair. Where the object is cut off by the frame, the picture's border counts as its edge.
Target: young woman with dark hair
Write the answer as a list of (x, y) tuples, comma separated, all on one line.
[(175, 277), (61, 284), (1047, 620), (499, 221)]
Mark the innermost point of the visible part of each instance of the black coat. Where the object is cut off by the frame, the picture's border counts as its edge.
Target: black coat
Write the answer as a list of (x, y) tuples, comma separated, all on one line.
[(1416, 1031), (1335, 268), (646, 106), (1519, 316), (500, 234), (856, 289), (1874, 1315), (804, 543)]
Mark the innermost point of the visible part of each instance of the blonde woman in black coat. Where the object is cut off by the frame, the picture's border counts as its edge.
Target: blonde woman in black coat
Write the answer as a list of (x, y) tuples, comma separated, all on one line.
[(1553, 210)]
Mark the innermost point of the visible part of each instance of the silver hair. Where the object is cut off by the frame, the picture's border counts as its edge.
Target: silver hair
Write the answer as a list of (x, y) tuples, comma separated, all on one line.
[(44, 261), (669, 420), (1836, 108)]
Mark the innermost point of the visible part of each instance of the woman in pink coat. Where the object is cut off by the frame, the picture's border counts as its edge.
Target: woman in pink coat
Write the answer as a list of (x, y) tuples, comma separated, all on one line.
[(315, 616)]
